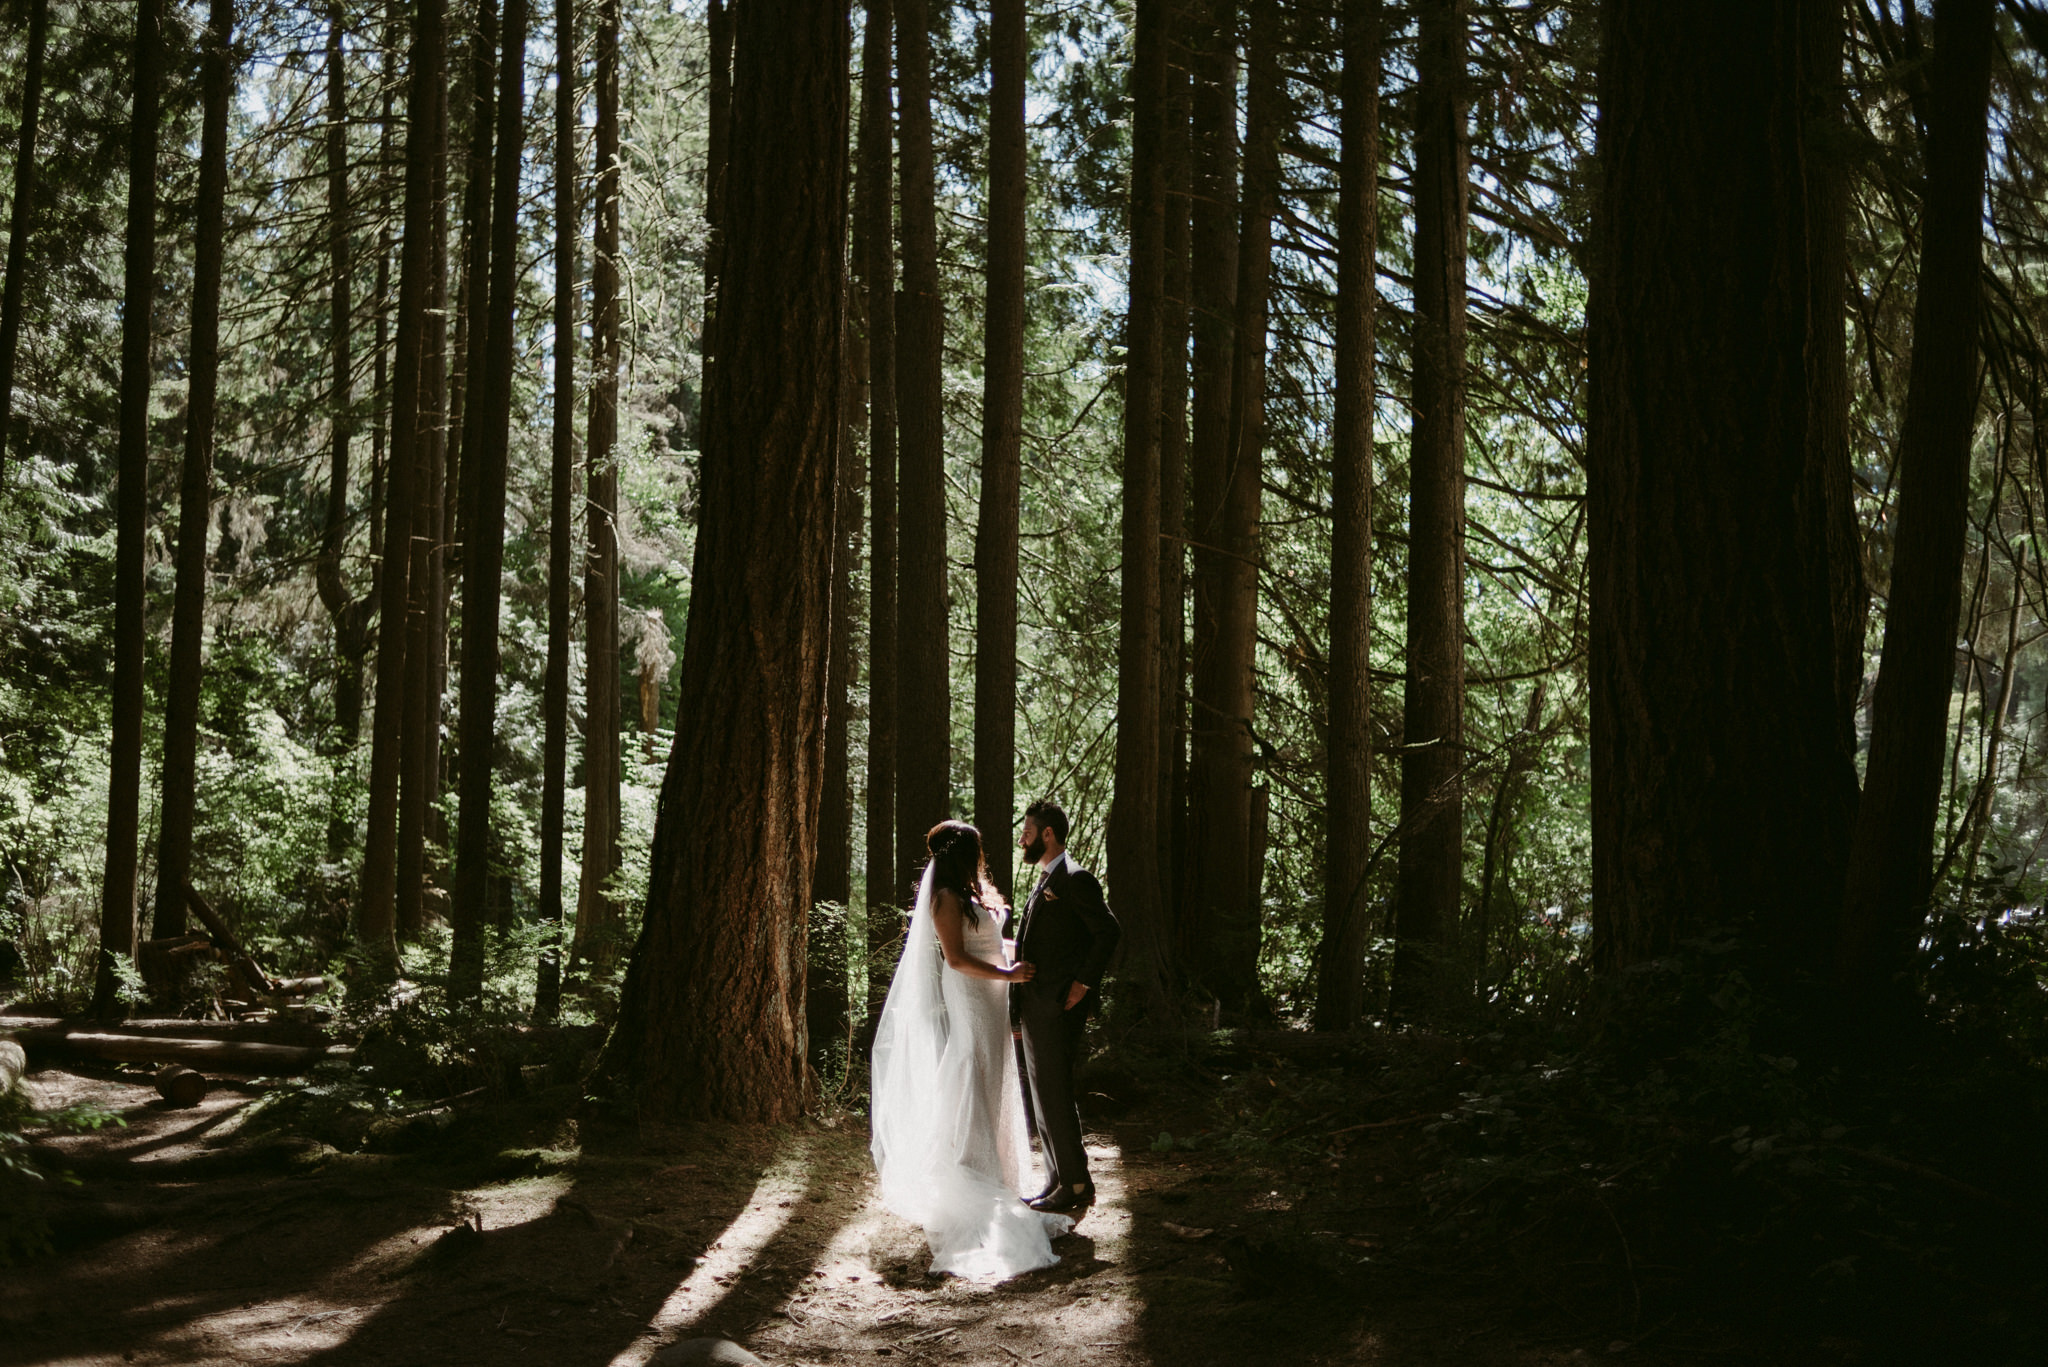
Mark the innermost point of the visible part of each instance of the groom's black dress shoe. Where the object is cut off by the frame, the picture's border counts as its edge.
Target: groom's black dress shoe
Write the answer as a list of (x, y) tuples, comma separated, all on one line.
[(1066, 1201)]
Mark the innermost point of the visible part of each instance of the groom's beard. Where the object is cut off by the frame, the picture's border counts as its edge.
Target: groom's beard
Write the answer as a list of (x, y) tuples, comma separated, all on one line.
[(1035, 851)]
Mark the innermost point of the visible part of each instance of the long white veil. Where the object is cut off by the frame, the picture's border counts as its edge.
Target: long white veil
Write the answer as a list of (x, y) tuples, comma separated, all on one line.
[(947, 1116), (910, 1041)]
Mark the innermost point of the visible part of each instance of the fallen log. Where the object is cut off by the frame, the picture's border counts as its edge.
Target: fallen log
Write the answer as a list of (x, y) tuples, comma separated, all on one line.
[(225, 939), (298, 987), (255, 1032), (206, 1055), (179, 1085), (13, 1063)]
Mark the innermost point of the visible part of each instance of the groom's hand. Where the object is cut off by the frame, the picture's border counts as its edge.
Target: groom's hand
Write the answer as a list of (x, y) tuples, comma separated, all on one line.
[(1075, 993)]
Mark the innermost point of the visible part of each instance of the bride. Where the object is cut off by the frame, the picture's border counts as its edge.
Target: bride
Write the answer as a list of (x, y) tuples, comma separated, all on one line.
[(948, 1115)]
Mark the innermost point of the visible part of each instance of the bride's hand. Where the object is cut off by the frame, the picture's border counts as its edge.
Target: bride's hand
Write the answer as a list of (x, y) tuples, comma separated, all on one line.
[(1022, 973)]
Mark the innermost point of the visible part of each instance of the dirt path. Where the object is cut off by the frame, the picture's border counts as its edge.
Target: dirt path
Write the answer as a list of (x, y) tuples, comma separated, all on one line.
[(597, 1245)]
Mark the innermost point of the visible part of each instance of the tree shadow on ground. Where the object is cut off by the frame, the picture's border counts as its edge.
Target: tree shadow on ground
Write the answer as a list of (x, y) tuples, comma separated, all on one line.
[(659, 1233)]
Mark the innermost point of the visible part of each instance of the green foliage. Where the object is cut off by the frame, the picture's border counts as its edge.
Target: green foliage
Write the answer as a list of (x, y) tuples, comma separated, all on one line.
[(24, 1228)]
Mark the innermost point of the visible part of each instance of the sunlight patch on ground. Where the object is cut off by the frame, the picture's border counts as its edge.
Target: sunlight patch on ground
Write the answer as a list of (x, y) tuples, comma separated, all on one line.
[(766, 1213)]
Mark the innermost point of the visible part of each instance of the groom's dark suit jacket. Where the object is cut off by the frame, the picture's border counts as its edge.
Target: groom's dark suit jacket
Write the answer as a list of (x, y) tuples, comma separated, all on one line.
[(1067, 931)]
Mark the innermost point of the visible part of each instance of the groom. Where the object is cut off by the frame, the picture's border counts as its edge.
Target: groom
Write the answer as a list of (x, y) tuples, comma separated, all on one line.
[(1068, 933)]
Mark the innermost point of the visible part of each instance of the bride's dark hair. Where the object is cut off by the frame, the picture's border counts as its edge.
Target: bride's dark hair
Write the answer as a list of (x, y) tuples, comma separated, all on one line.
[(958, 865)]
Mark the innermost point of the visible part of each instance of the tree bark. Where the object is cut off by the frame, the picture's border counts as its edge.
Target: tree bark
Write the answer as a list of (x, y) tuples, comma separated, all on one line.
[(1431, 878), (1890, 866), (351, 617), (21, 221), (1002, 449), (1227, 536), (874, 209), (484, 555), (188, 626), (1173, 494), (478, 201), (711, 1020), (923, 683), (1340, 991), (124, 780), (717, 146), (596, 916), (1722, 794), (426, 641), (832, 876), (1133, 835), (561, 520), (376, 917), (1215, 875)]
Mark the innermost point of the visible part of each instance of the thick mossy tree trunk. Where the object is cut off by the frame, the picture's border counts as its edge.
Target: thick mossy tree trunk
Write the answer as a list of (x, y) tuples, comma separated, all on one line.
[(1431, 880), (1002, 446), (874, 213), (1891, 858), (377, 915), (561, 520), (195, 485), (596, 915), (22, 218), (1133, 836), (1722, 791), (924, 749), (711, 1020), (484, 555), (1340, 988), (124, 778), (1216, 856)]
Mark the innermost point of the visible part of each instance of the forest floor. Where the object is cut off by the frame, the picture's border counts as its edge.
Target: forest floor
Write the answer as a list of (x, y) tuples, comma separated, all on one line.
[(536, 1231)]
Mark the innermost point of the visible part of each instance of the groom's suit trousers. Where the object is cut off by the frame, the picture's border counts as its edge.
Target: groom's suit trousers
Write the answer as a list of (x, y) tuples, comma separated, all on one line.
[(1053, 1040)]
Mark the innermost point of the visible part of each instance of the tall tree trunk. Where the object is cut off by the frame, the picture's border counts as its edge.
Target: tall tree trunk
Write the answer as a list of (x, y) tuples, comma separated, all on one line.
[(832, 875), (1340, 990), (1890, 866), (1133, 836), (1984, 800), (376, 917), (711, 1021), (1830, 472), (717, 145), (1227, 536), (426, 642), (874, 209), (351, 616), (478, 200), (124, 779), (1215, 871), (1002, 449), (484, 555), (23, 217), (1431, 878), (596, 916), (923, 682), (188, 626), (1722, 796), (561, 519), (1173, 493)]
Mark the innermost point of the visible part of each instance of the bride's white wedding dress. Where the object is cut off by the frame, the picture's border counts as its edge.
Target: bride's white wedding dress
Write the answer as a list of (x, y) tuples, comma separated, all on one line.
[(949, 1143)]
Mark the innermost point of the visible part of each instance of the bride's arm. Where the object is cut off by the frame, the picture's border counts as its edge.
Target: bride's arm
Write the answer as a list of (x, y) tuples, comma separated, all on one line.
[(949, 920)]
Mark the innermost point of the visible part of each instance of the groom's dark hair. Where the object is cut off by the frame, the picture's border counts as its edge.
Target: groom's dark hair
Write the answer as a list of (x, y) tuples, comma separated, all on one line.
[(1049, 815)]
